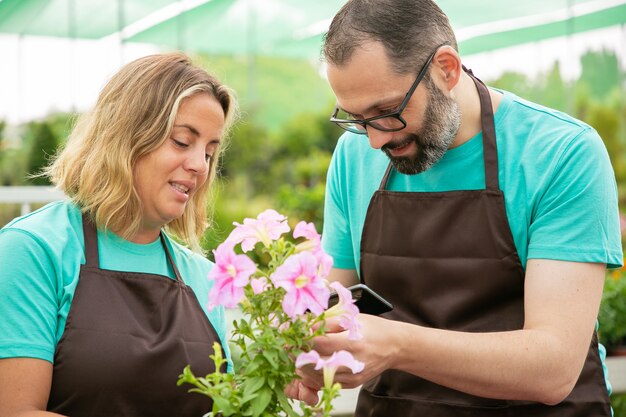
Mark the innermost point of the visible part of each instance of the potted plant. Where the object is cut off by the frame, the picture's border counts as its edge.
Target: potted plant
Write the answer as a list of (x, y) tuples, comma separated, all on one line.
[(612, 315)]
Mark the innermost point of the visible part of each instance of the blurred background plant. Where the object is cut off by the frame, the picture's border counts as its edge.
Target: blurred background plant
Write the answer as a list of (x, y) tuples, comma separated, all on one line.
[(612, 330), (279, 152), (612, 316)]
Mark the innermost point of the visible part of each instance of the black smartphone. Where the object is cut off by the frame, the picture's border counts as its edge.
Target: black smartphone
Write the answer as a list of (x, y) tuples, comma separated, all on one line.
[(366, 299)]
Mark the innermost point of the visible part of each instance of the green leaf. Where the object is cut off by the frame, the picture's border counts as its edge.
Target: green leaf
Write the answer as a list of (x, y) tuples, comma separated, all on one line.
[(284, 404), (261, 402), (251, 386), (271, 358), (223, 405), (253, 366), (186, 377)]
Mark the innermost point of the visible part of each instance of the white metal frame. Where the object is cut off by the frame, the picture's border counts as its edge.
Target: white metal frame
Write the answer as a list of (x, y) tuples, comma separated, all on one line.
[(27, 195)]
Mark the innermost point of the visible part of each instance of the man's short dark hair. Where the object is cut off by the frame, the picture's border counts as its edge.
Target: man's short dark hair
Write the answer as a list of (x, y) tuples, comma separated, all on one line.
[(408, 29)]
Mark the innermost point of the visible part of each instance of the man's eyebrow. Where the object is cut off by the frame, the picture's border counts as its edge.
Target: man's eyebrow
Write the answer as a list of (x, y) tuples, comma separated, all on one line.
[(380, 103)]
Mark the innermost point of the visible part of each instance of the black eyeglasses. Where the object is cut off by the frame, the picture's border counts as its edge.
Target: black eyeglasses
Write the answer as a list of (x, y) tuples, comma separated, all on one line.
[(389, 122)]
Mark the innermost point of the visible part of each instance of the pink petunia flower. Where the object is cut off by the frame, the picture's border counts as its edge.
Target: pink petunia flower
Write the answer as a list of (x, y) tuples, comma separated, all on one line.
[(230, 274), (306, 290), (325, 262), (313, 244), (331, 364), (258, 285), (306, 358), (346, 311), (308, 231), (268, 226)]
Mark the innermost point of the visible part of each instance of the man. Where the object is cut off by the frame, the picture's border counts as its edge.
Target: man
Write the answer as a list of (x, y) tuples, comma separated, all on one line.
[(486, 220)]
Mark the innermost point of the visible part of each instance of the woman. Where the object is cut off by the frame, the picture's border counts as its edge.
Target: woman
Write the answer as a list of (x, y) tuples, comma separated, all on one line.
[(101, 309)]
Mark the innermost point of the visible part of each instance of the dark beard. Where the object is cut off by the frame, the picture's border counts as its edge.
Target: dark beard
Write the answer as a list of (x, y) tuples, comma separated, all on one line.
[(442, 119)]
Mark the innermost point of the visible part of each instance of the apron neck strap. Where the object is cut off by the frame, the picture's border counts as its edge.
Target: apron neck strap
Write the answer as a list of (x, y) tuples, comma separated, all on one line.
[(490, 152), (91, 246), (91, 242), (383, 183), (170, 258)]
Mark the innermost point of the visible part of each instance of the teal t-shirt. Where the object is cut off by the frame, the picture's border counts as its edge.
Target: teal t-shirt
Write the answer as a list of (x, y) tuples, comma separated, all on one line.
[(558, 183), (41, 254), (559, 187)]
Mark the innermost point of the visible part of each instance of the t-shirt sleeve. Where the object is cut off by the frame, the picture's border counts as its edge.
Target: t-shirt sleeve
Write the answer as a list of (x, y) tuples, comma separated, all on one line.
[(336, 233), (196, 269), (29, 305), (217, 317), (576, 218)]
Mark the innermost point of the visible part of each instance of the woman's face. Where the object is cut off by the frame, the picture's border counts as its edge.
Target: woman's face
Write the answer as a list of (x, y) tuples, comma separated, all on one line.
[(167, 178)]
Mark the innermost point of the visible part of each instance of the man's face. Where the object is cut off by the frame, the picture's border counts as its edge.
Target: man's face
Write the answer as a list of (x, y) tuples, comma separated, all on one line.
[(434, 136), (367, 86)]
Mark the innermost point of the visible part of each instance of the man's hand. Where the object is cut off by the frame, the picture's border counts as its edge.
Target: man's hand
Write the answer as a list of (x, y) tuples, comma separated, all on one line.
[(374, 349), (298, 391)]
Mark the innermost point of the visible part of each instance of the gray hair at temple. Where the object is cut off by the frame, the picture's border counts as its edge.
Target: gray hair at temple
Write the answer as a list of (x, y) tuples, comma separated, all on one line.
[(409, 30)]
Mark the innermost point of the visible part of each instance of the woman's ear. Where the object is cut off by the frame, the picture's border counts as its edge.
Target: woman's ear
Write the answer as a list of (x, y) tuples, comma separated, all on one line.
[(447, 67)]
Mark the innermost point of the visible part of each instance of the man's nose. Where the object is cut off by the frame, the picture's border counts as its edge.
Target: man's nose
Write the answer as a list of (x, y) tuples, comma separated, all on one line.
[(378, 138)]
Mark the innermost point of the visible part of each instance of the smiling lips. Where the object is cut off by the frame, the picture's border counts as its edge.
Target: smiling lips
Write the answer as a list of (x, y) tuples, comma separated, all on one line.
[(398, 151), (398, 148), (180, 187)]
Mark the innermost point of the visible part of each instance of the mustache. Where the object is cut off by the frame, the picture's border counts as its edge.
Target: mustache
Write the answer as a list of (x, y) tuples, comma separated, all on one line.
[(399, 144)]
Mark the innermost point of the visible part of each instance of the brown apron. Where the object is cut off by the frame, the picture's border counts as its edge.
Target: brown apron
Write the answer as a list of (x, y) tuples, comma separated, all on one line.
[(447, 260), (127, 338)]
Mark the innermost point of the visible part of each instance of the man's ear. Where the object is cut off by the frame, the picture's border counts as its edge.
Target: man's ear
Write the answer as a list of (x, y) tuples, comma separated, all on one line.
[(447, 67)]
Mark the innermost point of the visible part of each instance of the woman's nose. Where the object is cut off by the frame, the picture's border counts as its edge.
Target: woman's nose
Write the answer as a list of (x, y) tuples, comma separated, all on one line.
[(197, 161)]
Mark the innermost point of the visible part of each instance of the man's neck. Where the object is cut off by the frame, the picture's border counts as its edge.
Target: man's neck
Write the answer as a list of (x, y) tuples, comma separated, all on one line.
[(467, 98)]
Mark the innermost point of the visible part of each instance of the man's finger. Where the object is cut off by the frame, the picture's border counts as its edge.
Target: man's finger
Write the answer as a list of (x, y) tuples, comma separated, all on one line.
[(298, 391)]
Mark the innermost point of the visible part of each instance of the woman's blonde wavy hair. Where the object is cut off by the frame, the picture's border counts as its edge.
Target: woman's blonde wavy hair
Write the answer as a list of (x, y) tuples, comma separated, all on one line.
[(133, 116)]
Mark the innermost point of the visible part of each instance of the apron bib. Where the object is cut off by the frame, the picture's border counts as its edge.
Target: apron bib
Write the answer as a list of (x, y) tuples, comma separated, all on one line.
[(447, 260), (127, 338)]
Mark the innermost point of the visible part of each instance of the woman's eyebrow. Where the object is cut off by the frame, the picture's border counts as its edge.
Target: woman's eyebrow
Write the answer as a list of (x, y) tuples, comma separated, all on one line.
[(195, 132), (191, 129)]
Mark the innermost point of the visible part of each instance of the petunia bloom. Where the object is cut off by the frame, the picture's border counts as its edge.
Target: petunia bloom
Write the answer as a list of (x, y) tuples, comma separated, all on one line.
[(305, 289), (331, 364), (230, 274), (268, 226), (346, 310), (325, 262), (313, 244), (258, 285), (307, 231)]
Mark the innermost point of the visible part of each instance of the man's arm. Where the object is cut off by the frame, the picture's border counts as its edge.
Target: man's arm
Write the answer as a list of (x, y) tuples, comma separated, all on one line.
[(540, 362), (25, 387), (347, 277)]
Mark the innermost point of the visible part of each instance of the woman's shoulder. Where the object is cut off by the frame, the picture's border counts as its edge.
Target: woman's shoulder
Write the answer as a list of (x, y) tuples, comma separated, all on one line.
[(194, 268), (55, 222), (186, 256)]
